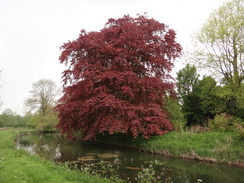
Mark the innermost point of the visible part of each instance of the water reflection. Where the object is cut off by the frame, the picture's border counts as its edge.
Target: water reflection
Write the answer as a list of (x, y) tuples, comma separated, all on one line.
[(58, 149), (41, 145)]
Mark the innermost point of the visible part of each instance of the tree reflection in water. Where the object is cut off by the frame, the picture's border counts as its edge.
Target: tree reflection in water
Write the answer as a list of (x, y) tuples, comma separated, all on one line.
[(55, 148)]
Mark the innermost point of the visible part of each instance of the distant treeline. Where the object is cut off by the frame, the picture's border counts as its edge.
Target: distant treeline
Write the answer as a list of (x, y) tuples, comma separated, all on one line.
[(9, 119)]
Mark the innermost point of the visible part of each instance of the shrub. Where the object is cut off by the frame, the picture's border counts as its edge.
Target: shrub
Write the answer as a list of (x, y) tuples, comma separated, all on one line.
[(221, 122), (226, 122), (239, 128)]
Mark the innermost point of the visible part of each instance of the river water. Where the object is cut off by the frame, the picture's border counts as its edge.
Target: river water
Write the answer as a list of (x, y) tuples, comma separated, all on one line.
[(126, 163)]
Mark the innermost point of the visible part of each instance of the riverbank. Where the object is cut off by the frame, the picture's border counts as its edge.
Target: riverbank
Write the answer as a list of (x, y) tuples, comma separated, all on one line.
[(17, 166), (211, 146)]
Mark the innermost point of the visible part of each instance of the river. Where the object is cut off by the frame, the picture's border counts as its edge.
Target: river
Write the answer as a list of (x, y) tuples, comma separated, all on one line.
[(126, 163)]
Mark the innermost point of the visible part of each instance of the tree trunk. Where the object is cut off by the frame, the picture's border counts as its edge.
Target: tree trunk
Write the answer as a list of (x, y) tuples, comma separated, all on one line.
[(237, 81)]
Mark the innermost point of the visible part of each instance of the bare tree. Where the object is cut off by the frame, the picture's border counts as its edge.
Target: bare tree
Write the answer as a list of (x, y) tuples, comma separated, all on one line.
[(42, 97)]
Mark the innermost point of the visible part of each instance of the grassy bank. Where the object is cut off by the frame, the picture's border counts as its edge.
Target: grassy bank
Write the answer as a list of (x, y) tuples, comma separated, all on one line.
[(17, 166), (210, 146)]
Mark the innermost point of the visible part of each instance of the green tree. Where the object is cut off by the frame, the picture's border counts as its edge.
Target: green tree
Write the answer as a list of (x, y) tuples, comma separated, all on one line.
[(220, 45), (200, 101), (10, 119), (176, 115), (45, 122), (41, 104), (187, 81), (43, 96), (209, 101), (232, 103)]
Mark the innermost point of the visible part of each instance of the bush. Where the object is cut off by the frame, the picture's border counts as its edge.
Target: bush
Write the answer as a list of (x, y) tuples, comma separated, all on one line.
[(43, 123), (226, 122), (239, 128), (221, 122)]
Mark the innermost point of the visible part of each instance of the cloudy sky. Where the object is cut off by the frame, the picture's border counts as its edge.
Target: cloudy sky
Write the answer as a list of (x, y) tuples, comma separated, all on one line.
[(31, 32)]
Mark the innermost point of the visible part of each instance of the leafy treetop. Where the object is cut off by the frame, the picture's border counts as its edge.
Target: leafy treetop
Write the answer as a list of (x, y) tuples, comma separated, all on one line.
[(117, 78)]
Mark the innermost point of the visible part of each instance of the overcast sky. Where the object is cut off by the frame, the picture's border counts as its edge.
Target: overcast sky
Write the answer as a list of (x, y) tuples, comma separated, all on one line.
[(31, 32)]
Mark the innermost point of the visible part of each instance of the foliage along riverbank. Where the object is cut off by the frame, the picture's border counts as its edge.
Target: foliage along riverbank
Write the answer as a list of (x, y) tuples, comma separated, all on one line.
[(17, 166), (211, 146)]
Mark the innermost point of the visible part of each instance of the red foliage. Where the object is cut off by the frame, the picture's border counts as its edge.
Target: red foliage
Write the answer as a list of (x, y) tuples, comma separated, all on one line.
[(117, 79)]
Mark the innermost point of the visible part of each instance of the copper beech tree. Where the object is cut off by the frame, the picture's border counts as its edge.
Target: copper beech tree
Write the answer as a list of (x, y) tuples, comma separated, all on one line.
[(116, 79)]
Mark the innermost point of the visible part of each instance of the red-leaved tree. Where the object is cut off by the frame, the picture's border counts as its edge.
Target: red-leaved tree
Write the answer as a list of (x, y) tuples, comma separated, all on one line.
[(117, 79)]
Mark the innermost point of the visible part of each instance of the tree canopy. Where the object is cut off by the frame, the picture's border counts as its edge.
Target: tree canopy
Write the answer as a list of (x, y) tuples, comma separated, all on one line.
[(117, 79), (200, 98), (220, 49), (187, 80), (220, 41)]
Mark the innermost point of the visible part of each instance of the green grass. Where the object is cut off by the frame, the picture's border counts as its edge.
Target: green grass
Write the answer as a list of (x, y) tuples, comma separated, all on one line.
[(222, 146), (17, 166)]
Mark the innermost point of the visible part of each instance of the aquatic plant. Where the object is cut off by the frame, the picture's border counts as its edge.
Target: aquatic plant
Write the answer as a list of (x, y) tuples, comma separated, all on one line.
[(149, 174)]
